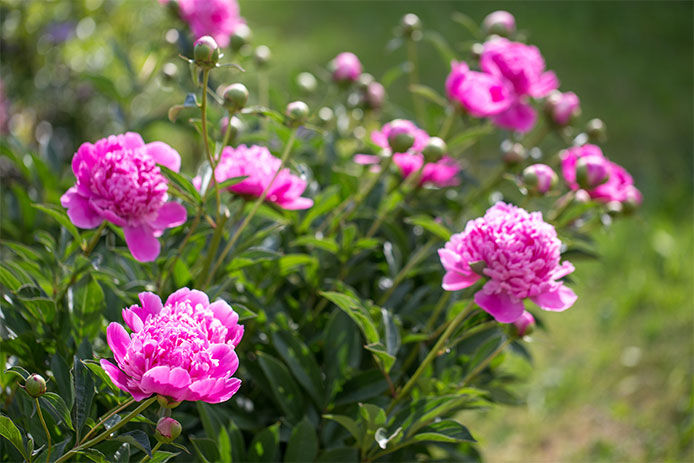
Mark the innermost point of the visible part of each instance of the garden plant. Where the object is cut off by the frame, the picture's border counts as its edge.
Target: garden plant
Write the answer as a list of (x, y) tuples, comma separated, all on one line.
[(335, 279)]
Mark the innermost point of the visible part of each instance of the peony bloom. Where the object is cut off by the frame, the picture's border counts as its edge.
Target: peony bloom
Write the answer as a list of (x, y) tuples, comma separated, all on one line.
[(260, 166), (182, 350), (481, 94), (345, 67), (562, 107), (519, 255), (217, 18), (525, 323), (118, 180), (586, 166), (499, 22), (539, 178)]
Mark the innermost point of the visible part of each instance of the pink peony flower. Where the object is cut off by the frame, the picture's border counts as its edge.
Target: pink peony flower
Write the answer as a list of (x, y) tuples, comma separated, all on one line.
[(346, 67), (118, 180), (562, 107), (481, 94), (182, 350), (397, 126), (524, 323), (440, 173), (619, 185), (518, 253), (260, 166), (499, 22), (217, 18)]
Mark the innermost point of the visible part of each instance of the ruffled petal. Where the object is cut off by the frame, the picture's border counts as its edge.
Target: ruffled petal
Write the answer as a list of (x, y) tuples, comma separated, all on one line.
[(133, 320), (171, 214), (79, 210), (142, 243), (453, 280), (520, 117), (169, 382), (121, 380), (223, 391), (558, 300), (295, 204), (118, 340), (165, 155), (151, 303), (449, 259), (131, 140), (501, 306)]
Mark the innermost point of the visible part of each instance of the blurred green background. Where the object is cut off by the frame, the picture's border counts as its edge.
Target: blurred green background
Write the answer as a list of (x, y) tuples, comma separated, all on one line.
[(612, 377)]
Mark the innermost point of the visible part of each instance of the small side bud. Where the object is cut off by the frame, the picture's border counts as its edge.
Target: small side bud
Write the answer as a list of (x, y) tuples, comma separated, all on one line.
[(35, 386), (411, 26), (241, 36), (633, 200), (562, 108), (400, 142), (478, 267), (262, 56), (499, 22), (591, 172), (206, 52), (296, 113), (435, 149), (374, 96), (307, 82), (524, 325), (168, 430), (235, 97), (539, 179), (596, 130)]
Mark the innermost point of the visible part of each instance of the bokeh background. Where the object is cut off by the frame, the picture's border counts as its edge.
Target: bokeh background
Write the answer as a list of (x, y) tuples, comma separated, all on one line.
[(611, 379)]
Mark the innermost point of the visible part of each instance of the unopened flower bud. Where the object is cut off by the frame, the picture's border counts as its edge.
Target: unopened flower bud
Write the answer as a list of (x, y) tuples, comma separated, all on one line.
[(345, 67), (614, 208), (434, 149), (306, 82), (374, 96), (240, 37), (562, 107), (596, 130), (235, 97), (262, 56), (514, 153), (296, 113), (633, 200), (499, 22), (539, 178), (35, 386), (168, 430), (591, 171), (400, 142), (411, 26), (167, 402), (206, 52), (525, 324)]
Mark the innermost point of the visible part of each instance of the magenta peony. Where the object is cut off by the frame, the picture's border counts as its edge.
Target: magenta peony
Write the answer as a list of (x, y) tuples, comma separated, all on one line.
[(604, 180), (216, 18), (346, 67), (182, 350), (397, 126), (260, 166), (481, 94), (118, 180), (519, 255)]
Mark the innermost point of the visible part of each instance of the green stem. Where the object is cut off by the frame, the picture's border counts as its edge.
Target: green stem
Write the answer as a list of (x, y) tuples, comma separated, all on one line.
[(414, 78), (95, 239), (212, 250), (206, 141), (108, 432), (256, 206), (45, 428), (433, 353), (486, 362), (447, 122), (227, 135), (420, 254), (437, 310), (108, 415), (167, 270), (154, 449)]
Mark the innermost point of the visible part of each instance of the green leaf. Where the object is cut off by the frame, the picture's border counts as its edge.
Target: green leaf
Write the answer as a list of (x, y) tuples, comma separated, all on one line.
[(205, 448), (94, 455), (467, 22), (263, 111), (291, 261), (441, 45), (224, 445), (18, 371), (56, 406), (303, 443), (183, 183), (428, 93), (443, 431), (181, 273), (469, 137), (342, 349), (265, 445), (162, 457), (238, 446), (8, 280), (138, 439), (244, 312), (349, 424), (430, 225), (231, 182), (61, 217), (301, 363), (356, 312), (97, 370), (284, 389), (326, 244), (9, 431), (84, 394), (63, 380), (364, 386), (381, 355)]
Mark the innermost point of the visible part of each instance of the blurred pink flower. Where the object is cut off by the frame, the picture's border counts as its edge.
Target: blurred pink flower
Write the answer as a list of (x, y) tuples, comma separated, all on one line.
[(499, 21), (524, 323), (182, 350), (217, 18), (118, 180), (397, 126), (539, 178), (519, 255), (345, 67), (260, 166), (619, 185), (481, 94), (562, 107)]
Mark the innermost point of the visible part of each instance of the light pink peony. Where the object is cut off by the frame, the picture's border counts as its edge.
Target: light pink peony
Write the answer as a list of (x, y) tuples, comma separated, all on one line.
[(217, 18), (118, 180), (396, 126), (260, 166), (481, 94), (619, 185), (346, 67), (518, 253), (562, 107), (182, 350)]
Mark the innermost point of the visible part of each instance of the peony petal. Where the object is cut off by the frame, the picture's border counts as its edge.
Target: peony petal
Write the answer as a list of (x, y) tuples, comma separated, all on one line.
[(131, 140), (165, 155), (121, 380), (80, 211), (295, 204), (118, 340), (133, 320), (142, 243), (558, 300), (151, 303), (171, 214), (178, 296), (501, 306), (224, 313), (227, 360), (449, 259), (453, 280), (223, 392), (520, 116), (366, 159), (168, 382)]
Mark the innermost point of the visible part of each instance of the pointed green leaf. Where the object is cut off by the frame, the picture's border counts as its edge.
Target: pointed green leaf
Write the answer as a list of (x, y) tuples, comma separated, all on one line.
[(303, 443), (9, 431)]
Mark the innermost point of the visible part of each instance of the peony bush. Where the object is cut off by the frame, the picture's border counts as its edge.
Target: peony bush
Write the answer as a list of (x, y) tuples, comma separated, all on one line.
[(341, 276)]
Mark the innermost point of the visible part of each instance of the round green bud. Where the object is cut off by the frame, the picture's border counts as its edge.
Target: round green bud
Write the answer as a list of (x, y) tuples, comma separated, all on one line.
[(596, 130), (400, 142), (435, 149), (241, 36), (411, 26), (35, 386), (262, 56), (167, 430), (307, 82), (235, 97), (206, 52), (296, 113)]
